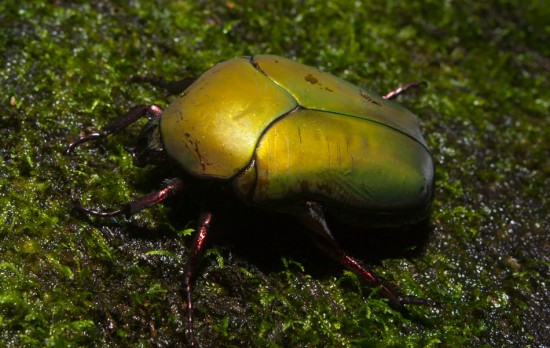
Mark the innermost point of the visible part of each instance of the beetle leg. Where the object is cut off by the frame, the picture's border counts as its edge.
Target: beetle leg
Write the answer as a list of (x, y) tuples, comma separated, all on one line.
[(203, 226), (170, 188), (311, 214), (393, 94), (118, 124)]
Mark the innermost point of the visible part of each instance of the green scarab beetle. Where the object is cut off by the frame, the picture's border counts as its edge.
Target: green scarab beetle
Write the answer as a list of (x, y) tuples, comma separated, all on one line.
[(290, 138)]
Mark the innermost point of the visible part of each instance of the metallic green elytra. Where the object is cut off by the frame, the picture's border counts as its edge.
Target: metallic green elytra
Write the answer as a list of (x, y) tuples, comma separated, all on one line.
[(284, 132)]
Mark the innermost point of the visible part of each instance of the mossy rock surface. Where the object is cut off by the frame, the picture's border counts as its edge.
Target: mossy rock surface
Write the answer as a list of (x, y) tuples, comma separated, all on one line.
[(71, 280)]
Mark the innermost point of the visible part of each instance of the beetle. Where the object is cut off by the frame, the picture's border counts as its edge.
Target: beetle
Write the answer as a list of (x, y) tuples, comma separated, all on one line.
[(290, 138)]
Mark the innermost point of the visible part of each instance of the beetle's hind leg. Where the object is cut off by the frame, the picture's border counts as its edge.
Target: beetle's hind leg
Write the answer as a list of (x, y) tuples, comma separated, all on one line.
[(396, 92), (203, 227), (311, 214), (118, 124)]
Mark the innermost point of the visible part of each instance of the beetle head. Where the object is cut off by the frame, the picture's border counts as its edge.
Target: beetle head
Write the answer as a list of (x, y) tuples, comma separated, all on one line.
[(148, 148)]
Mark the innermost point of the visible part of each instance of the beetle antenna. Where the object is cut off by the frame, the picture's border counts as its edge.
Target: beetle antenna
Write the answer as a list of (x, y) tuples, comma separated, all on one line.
[(118, 124)]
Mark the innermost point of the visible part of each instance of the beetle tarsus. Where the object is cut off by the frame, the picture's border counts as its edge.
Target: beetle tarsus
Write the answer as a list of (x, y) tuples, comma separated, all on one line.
[(99, 213), (169, 189), (311, 214), (81, 140), (118, 124), (203, 226), (393, 94), (387, 289)]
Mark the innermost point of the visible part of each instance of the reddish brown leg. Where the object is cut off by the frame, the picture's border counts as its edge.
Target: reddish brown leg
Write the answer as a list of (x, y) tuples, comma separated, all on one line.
[(393, 94), (203, 226), (393, 294), (170, 188), (311, 214), (118, 124)]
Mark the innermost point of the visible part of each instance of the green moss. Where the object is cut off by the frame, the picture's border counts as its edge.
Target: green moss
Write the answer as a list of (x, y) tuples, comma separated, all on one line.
[(69, 280)]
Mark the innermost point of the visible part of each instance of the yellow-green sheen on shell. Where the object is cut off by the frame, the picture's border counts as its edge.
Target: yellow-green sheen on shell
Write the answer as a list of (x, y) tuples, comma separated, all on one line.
[(213, 127), (319, 156), (284, 131)]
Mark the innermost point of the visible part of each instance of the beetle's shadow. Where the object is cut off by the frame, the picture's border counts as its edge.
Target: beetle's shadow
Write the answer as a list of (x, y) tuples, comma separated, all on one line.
[(263, 237)]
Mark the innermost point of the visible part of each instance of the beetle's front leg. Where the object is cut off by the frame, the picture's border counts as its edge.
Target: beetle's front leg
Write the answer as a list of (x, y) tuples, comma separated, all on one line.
[(169, 189), (203, 226), (118, 124)]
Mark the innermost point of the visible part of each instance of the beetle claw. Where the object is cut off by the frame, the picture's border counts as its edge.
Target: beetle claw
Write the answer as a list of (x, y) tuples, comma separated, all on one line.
[(100, 213), (77, 142)]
